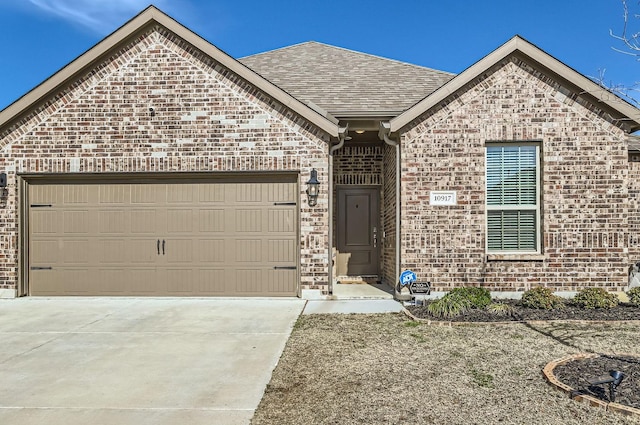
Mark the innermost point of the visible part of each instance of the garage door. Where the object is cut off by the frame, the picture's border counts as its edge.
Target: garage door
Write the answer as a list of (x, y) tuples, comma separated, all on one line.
[(164, 239)]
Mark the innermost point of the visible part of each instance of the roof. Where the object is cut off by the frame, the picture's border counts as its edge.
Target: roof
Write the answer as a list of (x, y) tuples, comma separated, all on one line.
[(628, 114), (344, 82), (148, 17)]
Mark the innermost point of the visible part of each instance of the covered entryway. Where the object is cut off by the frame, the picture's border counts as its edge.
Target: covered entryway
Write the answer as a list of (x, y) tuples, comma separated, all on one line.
[(230, 236)]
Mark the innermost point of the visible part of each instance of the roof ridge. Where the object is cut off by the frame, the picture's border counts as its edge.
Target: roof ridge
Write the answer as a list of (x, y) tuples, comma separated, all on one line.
[(277, 49), (352, 51)]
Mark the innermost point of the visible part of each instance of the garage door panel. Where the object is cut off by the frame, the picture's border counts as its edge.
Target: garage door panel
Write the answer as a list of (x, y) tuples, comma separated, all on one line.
[(211, 193), (210, 281), (211, 220), (76, 221), (180, 221), (248, 193), (44, 252), (144, 281), (281, 281), (281, 251), (44, 221), (281, 192), (144, 221), (111, 282), (148, 194), (143, 250), (248, 250), (179, 281), (112, 251), (78, 281), (76, 194), (182, 194), (113, 195), (247, 280), (178, 251), (113, 222), (76, 251), (44, 282), (248, 220), (281, 220), (211, 251), (220, 238)]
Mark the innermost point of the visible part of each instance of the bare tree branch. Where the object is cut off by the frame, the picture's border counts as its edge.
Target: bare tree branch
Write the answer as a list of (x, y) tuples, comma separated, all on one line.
[(630, 39)]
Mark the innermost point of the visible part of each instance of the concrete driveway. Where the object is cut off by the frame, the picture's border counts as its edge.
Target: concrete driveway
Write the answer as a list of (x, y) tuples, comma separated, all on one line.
[(138, 361)]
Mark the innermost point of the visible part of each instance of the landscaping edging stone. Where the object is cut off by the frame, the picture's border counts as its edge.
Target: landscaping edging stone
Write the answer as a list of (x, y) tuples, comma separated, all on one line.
[(592, 401)]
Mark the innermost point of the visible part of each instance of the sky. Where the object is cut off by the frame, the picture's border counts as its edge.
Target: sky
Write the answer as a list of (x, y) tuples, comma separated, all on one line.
[(39, 37)]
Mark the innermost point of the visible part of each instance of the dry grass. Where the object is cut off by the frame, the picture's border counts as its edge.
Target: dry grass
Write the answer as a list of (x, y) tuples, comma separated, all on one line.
[(386, 369)]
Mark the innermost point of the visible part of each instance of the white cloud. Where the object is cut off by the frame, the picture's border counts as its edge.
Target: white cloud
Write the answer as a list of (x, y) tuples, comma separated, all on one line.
[(99, 15)]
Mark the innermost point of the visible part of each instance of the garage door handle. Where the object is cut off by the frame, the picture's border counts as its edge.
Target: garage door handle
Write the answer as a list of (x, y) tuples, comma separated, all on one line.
[(158, 246), (285, 268), (163, 247)]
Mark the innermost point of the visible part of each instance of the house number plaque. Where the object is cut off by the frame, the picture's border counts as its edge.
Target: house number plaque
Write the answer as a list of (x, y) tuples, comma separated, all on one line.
[(443, 197)]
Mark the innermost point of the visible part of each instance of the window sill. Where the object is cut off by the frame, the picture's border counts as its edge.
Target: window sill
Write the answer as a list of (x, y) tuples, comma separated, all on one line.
[(515, 257)]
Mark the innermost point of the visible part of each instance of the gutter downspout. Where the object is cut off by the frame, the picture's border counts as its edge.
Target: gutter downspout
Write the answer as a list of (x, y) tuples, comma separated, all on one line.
[(342, 136), (385, 128)]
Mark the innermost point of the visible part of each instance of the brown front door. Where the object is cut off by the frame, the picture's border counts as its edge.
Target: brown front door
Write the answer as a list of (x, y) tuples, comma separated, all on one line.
[(357, 229)]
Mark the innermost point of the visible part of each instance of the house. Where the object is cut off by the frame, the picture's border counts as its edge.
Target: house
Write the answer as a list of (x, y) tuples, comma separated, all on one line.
[(156, 164)]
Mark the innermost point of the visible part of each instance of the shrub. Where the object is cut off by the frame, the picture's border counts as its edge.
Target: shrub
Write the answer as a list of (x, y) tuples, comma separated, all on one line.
[(449, 306), (459, 300), (478, 297), (595, 298), (501, 309), (541, 298), (634, 296)]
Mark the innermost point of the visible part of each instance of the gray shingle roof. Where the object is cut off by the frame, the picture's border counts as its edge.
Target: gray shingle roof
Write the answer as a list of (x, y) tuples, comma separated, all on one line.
[(345, 82)]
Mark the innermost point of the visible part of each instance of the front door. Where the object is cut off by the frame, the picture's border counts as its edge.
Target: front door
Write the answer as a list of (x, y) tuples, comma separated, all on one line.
[(357, 229)]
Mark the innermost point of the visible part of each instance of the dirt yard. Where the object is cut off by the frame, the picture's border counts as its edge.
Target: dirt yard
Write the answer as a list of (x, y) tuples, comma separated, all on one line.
[(387, 369)]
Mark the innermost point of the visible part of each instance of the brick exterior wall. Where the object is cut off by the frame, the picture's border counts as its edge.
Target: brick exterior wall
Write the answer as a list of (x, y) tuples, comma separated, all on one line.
[(388, 264), (585, 185), (634, 208), (358, 165), (206, 119)]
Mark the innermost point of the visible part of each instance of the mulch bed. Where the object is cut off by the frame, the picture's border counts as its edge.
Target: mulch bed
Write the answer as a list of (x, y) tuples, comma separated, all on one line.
[(576, 374), (569, 312)]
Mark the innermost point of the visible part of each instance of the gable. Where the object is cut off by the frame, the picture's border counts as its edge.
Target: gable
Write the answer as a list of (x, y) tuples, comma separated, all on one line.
[(156, 98), (117, 49), (581, 89), (512, 101)]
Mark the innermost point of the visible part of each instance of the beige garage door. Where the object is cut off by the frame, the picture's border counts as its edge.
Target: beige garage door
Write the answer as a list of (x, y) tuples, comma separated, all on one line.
[(172, 239)]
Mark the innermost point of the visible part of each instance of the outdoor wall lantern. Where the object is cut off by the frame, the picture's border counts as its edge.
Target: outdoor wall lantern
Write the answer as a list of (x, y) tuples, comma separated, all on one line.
[(3, 179), (313, 188)]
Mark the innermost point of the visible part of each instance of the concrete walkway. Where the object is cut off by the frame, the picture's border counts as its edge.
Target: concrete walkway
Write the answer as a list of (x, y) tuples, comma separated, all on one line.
[(352, 306), (139, 361)]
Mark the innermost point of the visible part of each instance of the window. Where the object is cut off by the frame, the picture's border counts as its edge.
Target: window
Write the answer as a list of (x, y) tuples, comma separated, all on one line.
[(513, 212)]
